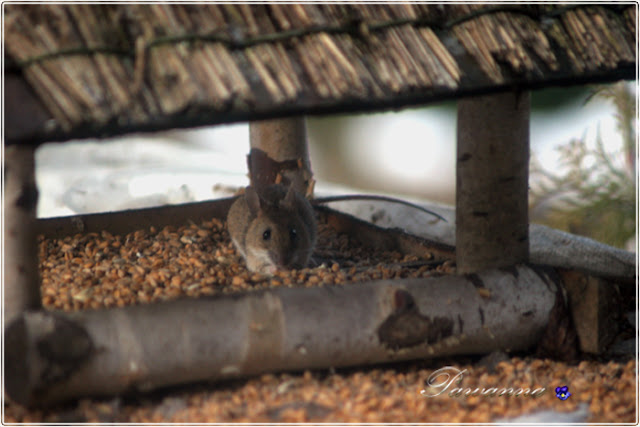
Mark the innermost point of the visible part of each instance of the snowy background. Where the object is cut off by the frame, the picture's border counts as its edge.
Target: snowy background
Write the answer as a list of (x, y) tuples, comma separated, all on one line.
[(409, 153)]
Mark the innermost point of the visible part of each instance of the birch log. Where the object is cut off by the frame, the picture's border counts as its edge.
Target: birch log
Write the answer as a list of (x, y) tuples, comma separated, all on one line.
[(21, 278), (548, 246), (279, 153), (51, 357)]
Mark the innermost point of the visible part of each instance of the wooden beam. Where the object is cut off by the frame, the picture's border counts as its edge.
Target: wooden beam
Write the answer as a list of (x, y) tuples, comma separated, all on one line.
[(127, 221)]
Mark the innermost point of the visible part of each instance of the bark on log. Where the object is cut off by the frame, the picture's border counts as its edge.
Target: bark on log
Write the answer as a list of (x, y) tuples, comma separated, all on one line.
[(21, 278), (548, 246), (569, 251), (51, 357), (492, 182), (279, 153)]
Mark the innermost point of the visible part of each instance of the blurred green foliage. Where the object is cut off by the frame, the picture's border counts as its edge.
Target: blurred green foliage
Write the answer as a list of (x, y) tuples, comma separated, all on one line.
[(594, 191)]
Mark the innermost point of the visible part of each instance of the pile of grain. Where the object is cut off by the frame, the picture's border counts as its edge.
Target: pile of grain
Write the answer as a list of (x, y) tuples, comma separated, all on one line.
[(376, 395), (89, 271)]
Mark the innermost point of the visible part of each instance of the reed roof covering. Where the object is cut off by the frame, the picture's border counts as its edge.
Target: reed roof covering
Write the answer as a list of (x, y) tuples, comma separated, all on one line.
[(106, 69)]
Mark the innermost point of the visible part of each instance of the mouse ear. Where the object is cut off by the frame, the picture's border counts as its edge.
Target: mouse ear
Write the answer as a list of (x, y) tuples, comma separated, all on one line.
[(290, 198), (253, 201)]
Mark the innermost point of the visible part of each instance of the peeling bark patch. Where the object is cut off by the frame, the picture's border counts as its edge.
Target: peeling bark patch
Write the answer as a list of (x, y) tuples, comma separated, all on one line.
[(407, 327), (410, 329), (63, 350), (402, 300), (377, 216), (28, 198), (475, 280)]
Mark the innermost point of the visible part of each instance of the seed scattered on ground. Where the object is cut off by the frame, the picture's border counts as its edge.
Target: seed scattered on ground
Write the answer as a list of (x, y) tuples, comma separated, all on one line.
[(95, 270)]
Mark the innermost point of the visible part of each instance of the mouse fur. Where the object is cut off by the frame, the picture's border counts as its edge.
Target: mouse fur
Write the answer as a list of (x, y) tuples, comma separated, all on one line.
[(272, 229)]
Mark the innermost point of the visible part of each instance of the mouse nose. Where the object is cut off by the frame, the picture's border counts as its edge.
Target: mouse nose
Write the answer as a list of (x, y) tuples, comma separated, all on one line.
[(278, 259)]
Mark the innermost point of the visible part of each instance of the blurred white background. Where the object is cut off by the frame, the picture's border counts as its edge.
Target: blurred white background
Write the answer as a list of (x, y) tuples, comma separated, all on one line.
[(410, 153)]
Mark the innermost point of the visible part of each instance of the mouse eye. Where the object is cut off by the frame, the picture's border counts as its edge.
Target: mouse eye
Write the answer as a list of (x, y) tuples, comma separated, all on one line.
[(267, 234), (293, 233)]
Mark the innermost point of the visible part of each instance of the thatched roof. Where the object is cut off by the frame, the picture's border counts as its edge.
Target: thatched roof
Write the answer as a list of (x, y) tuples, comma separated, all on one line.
[(109, 69)]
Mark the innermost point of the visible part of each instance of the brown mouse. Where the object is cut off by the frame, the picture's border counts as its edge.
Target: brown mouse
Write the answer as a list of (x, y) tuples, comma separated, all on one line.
[(273, 229)]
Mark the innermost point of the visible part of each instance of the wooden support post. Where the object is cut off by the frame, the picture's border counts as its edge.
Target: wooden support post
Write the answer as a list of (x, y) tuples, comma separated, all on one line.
[(492, 182), (21, 278), (25, 116), (279, 153)]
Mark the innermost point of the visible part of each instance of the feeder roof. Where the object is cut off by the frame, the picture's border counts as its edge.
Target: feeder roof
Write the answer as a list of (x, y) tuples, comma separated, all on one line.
[(80, 70)]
